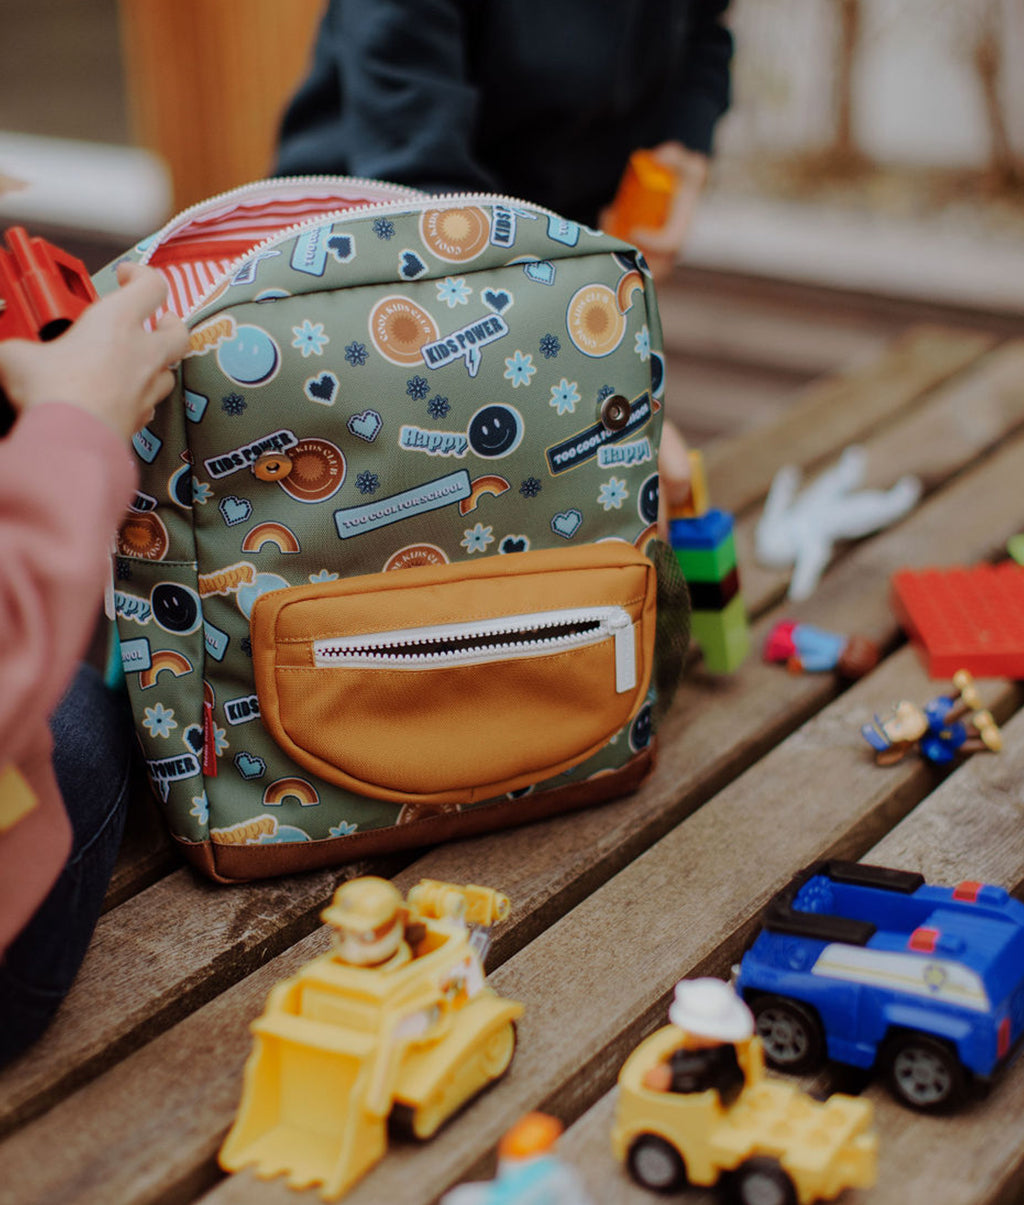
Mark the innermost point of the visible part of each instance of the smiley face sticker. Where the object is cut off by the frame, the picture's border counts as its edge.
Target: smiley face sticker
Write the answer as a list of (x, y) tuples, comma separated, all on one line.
[(250, 358), (495, 431)]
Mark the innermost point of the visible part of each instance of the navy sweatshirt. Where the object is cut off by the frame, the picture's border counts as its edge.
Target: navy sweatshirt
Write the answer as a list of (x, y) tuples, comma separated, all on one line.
[(540, 99)]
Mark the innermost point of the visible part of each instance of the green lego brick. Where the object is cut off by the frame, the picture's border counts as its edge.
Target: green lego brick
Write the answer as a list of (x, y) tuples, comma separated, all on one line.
[(723, 636), (708, 565)]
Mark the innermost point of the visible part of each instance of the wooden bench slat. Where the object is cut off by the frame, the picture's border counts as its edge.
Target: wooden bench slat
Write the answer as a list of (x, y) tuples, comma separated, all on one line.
[(838, 411)]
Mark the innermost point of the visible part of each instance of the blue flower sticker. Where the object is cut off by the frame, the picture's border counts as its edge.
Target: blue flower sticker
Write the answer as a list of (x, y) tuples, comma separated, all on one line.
[(200, 808), (324, 575), (233, 404), (383, 229), (310, 338), (477, 538), (453, 292), (613, 493), (345, 829), (355, 354), (159, 720), (220, 740), (564, 396), (201, 492), (519, 368), (643, 343)]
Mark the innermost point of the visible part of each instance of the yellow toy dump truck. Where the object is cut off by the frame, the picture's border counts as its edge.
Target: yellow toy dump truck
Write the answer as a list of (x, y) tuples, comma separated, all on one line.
[(774, 1145), (396, 1022)]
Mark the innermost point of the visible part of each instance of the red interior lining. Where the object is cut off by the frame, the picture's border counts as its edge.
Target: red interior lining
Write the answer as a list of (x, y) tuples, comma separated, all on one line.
[(192, 257)]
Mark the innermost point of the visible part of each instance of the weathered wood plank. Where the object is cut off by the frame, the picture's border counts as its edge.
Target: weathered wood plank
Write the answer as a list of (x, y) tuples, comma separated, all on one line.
[(840, 410), (744, 330), (962, 420), (677, 872)]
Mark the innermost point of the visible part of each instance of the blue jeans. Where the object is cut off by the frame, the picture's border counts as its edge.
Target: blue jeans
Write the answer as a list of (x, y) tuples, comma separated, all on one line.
[(92, 758)]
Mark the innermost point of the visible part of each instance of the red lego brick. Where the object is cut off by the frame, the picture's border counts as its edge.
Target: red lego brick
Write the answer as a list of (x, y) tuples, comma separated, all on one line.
[(964, 618)]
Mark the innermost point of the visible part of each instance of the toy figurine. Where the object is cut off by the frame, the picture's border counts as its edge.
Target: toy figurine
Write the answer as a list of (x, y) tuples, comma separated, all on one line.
[(803, 648), (946, 727), (800, 529), (528, 1171), (395, 1023), (725, 1117)]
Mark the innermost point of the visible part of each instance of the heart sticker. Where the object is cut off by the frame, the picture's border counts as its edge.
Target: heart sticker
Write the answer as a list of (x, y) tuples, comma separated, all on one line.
[(567, 523), (410, 266), (542, 271), (497, 300), (234, 510), (250, 766), (322, 389), (341, 247), (366, 425)]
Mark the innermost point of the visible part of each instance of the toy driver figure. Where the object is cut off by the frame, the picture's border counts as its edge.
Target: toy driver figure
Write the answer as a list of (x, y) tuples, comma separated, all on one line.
[(712, 1019), (939, 729), (369, 919)]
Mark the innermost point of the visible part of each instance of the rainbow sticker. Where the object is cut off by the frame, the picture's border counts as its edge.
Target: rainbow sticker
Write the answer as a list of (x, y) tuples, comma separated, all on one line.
[(298, 788), (162, 659), (490, 484), (270, 533)]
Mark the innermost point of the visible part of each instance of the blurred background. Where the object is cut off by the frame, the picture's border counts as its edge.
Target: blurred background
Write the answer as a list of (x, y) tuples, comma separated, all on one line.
[(869, 176)]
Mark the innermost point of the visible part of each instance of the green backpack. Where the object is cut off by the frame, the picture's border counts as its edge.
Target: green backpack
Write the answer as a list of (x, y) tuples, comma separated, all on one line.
[(390, 575)]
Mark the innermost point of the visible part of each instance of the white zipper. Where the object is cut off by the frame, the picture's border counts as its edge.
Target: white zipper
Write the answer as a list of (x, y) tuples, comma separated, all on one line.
[(410, 202), (539, 634)]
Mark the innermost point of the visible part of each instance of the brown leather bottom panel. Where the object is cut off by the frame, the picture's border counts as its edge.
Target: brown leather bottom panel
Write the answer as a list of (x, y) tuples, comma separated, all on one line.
[(240, 863)]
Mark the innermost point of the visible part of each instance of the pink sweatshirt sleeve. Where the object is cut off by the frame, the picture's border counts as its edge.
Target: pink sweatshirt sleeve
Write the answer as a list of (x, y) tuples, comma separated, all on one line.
[(65, 479)]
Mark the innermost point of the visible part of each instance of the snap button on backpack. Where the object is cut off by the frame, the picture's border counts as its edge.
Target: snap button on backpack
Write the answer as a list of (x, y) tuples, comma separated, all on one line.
[(272, 466), (615, 412)]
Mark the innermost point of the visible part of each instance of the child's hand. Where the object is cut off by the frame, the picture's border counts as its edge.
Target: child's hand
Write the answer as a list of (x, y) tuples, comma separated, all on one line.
[(107, 363), (674, 474), (663, 247)]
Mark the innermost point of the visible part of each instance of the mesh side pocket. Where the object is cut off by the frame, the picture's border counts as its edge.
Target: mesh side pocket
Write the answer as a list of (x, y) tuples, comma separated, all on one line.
[(672, 629)]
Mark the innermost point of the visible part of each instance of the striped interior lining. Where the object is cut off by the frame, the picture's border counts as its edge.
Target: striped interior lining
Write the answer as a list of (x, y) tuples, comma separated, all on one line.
[(193, 257)]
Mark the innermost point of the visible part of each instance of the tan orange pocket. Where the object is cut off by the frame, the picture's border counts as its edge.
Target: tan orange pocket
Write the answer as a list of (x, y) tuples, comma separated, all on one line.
[(453, 683)]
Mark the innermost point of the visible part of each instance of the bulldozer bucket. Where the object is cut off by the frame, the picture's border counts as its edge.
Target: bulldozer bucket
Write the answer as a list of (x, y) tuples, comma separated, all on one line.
[(302, 1110)]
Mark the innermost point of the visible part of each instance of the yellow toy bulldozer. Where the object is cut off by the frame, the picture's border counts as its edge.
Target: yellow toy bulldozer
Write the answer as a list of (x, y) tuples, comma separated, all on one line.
[(395, 1022)]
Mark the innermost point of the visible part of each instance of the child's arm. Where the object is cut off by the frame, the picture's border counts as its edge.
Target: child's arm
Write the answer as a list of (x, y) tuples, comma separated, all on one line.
[(66, 475)]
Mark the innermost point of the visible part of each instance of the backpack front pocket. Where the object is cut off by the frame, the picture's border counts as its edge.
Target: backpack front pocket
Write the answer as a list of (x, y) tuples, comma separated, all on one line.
[(455, 683)]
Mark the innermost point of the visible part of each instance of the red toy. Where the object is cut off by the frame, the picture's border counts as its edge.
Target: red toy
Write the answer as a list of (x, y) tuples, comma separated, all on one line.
[(43, 289), (964, 618)]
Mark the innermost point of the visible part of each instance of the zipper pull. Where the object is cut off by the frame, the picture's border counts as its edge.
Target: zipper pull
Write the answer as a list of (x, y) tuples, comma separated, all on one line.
[(621, 627)]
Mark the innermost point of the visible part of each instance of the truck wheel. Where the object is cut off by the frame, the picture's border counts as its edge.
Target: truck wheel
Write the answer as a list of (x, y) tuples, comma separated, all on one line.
[(924, 1072), (791, 1032), (759, 1181), (656, 1164)]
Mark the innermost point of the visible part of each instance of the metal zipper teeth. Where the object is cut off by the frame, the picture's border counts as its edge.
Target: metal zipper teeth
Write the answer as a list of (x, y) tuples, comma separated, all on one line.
[(406, 205), (380, 653)]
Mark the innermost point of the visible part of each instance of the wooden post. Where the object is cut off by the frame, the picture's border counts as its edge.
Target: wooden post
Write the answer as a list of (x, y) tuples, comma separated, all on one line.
[(207, 81)]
